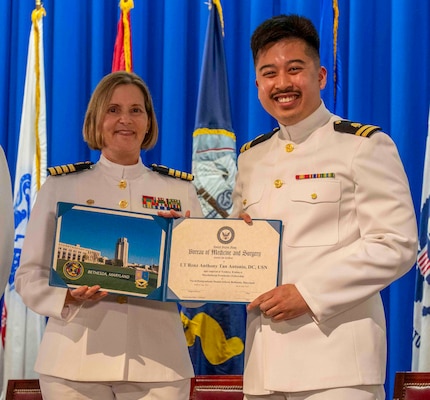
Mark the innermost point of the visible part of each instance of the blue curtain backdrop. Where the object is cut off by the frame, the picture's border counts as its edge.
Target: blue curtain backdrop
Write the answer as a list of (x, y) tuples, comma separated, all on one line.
[(385, 81)]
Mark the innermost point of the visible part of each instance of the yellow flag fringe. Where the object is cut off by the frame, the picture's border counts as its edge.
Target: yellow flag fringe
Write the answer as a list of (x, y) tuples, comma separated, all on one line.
[(335, 33), (36, 16), (126, 6)]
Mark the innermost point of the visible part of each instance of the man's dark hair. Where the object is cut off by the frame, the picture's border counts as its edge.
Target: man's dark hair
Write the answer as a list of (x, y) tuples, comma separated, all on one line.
[(285, 27)]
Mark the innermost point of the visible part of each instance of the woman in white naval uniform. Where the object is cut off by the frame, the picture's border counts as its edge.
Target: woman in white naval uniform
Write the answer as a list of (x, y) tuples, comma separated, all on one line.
[(98, 345)]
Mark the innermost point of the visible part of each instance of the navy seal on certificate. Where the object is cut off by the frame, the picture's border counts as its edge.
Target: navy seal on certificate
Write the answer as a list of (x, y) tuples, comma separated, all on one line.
[(223, 260)]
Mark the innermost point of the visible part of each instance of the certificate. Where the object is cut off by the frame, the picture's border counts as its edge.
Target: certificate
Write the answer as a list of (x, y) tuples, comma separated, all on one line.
[(223, 260), (144, 255), (121, 251)]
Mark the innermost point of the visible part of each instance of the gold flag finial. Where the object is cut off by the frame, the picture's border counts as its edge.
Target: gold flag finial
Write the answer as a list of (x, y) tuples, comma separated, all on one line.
[(217, 4)]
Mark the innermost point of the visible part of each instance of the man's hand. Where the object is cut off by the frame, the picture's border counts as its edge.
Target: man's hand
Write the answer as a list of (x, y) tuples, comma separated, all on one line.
[(281, 303), (246, 217)]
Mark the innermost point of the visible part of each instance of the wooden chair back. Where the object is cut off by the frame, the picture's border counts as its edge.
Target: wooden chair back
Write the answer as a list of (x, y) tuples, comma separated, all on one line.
[(217, 387), (23, 389), (412, 386)]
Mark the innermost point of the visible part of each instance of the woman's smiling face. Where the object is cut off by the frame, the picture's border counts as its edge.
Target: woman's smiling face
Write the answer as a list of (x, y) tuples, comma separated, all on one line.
[(124, 125)]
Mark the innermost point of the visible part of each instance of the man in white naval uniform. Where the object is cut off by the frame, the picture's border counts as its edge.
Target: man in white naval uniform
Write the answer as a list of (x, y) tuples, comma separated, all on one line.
[(349, 230)]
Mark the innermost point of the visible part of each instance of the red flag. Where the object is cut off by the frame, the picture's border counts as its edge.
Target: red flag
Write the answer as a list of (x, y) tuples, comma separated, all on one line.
[(122, 57)]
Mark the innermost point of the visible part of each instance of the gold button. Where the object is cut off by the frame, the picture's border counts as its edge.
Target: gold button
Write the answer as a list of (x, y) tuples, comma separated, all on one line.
[(122, 184), (278, 183), (123, 203), (90, 202), (122, 299), (244, 202), (289, 148), (314, 196)]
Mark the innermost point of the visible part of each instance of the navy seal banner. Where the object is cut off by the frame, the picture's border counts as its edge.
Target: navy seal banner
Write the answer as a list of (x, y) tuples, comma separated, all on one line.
[(215, 332), (214, 142)]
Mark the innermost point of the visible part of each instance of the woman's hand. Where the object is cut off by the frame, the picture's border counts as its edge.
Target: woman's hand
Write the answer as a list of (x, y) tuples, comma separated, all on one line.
[(173, 214), (83, 294)]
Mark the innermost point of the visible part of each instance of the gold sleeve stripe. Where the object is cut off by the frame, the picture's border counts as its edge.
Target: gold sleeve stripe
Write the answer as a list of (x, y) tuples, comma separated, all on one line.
[(69, 168), (355, 128), (174, 173), (259, 139), (367, 130)]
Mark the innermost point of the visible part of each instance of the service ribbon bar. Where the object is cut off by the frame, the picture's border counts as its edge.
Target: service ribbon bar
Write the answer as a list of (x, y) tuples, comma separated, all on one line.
[(316, 176)]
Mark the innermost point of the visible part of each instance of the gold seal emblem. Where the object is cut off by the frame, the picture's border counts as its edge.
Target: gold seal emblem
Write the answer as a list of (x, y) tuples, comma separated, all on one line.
[(73, 269)]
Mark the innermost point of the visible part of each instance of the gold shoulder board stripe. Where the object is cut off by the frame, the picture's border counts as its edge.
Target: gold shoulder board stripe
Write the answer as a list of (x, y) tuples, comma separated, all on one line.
[(69, 168), (174, 173), (259, 139), (355, 128)]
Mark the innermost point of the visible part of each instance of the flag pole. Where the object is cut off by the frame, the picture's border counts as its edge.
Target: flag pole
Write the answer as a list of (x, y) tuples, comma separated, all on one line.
[(22, 328), (214, 169)]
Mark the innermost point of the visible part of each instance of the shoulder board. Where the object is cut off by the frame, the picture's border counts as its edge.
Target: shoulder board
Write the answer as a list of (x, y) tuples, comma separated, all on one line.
[(69, 168), (355, 128), (174, 173), (258, 139)]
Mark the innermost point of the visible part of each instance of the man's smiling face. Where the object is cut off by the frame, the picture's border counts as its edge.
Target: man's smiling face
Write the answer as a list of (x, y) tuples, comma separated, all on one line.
[(289, 80)]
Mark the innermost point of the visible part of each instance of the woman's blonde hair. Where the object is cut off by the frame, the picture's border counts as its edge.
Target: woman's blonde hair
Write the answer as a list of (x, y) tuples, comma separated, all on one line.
[(99, 102)]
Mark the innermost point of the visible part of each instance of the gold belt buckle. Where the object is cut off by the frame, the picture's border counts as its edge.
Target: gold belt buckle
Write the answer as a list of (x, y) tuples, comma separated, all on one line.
[(121, 299)]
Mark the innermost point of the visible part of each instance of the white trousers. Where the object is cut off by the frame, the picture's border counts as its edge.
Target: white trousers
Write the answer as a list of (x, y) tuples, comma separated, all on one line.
[(365, 392), (57, 388)]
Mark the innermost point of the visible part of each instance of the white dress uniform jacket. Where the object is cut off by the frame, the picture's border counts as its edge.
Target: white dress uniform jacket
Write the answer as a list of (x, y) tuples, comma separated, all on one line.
[(7, 232), (141, 340), (346, 236)]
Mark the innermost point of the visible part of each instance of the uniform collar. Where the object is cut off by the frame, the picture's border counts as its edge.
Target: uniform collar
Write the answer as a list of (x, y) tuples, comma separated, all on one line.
[(118, 171), (299, 132)]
